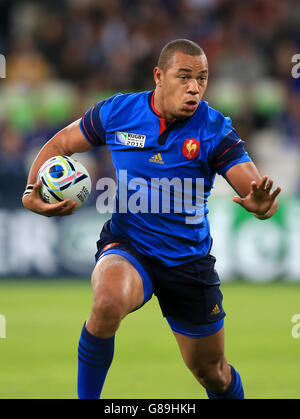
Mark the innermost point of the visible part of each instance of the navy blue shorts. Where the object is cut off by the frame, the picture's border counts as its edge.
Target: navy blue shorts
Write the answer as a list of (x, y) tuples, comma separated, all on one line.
[(188, 294)]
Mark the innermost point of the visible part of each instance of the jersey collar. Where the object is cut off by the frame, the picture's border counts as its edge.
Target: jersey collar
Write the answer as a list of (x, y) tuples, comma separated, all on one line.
[(163, 123), (164, 126)]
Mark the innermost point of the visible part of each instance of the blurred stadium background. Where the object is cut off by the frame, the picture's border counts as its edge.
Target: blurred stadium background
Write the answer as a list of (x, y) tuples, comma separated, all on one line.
[(61, 57)]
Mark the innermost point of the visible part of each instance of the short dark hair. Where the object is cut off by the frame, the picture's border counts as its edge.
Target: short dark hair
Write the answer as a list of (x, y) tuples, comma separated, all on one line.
[(183, 45)]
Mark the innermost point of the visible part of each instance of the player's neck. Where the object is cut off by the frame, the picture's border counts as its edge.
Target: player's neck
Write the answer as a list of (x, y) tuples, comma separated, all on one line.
[(158, 107)]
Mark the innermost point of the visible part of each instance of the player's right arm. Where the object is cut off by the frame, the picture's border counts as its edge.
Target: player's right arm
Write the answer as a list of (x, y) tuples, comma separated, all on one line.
[(66, 142)]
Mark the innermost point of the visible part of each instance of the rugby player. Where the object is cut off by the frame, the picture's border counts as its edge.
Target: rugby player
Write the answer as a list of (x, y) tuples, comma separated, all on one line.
[(170, 132)]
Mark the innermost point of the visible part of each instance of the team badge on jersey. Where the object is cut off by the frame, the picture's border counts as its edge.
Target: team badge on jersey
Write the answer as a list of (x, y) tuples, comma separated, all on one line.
[(190, 148)]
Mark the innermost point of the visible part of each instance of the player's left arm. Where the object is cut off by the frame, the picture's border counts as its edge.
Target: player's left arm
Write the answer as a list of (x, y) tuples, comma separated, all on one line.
[(255, 192)]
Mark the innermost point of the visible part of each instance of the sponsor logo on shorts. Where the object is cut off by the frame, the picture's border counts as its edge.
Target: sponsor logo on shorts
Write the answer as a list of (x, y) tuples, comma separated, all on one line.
[(216, 310)]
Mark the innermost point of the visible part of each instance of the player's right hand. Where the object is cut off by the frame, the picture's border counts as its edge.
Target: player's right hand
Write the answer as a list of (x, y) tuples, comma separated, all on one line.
[(35, 203)]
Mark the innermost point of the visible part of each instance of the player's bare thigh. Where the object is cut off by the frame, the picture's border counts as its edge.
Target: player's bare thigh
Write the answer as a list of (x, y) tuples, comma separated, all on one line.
[(117, 290), (206, 359)]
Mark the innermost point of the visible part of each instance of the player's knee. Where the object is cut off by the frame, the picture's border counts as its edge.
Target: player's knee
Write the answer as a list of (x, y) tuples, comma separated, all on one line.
[(108, 305), (106, 315), (212, 377)]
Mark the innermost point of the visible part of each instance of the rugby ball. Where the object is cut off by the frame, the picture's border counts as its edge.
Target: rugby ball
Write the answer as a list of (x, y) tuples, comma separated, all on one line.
[(64, 178)]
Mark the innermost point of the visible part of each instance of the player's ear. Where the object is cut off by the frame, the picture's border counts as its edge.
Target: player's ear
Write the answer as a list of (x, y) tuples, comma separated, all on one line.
[(158, 75)]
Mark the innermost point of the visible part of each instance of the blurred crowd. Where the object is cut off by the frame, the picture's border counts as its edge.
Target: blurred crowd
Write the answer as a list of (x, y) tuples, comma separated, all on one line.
[(64, 55)]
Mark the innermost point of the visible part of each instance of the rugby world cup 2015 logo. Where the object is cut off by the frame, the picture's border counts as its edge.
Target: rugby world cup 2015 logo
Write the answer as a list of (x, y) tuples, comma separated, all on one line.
[(190, 148), (130, 139), (121, 137)]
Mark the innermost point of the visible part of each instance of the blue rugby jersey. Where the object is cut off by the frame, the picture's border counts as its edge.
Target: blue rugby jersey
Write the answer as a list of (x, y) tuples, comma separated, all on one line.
[(151, 155)]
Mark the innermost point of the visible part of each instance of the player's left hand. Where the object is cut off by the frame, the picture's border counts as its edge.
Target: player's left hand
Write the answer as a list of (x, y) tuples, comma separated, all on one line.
[(34, 202), (260, 199)]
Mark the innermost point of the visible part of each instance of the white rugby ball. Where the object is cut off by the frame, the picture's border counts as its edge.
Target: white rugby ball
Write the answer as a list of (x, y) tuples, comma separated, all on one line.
[(64, 178)]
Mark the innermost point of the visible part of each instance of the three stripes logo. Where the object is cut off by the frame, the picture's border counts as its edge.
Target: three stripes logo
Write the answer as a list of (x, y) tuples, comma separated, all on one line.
[(216, 310), (157, 159)]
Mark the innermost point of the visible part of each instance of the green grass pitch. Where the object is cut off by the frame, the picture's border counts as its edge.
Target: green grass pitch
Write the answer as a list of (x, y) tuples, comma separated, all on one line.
[(38, 357)]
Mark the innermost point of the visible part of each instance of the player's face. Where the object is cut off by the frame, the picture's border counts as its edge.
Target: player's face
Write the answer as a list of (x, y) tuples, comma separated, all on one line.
[(181, 86)]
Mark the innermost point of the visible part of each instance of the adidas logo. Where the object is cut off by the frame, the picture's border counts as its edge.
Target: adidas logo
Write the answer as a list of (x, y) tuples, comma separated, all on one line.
[(157, 159), (215, 310)]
